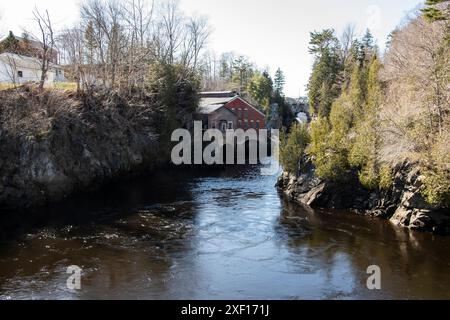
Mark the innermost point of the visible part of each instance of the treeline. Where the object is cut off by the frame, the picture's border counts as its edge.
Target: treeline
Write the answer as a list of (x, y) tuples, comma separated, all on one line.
[(145, 53), (235, 72), (374, 112), (116, 43), (138, 45), (230, 71)]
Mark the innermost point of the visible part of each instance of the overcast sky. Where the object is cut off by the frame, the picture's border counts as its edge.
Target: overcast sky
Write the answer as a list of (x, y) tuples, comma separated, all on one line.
[(272, 33)]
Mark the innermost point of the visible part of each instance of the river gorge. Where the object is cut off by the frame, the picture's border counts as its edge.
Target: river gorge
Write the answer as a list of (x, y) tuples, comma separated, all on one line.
[(227, 234)]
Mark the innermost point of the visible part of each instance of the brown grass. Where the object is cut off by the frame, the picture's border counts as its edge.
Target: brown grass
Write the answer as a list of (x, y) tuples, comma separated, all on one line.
[(5, 86), (66, 86)]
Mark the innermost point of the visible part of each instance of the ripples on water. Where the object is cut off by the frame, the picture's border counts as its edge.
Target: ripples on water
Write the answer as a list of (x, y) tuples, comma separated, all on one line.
[(229, 235)]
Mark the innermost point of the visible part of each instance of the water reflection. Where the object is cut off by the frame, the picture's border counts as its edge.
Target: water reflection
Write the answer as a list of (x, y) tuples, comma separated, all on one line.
[(414, 265), (227, 235)]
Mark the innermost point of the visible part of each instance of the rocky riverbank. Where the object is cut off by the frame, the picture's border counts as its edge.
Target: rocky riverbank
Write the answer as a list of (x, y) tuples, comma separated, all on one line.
[(55, 143), (402, 204)]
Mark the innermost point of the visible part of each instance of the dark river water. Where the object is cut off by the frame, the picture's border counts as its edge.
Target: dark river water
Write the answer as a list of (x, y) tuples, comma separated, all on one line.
[(227, 235)]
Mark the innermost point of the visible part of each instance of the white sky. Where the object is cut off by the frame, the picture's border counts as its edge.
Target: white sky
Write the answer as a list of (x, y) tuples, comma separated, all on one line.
[(272, 33)]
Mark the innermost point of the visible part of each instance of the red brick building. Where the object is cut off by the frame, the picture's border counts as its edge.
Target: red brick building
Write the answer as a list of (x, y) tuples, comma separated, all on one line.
[(246, 116)]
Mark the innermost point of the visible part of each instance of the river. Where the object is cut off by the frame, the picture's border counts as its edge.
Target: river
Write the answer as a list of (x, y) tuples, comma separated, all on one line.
[(223, 235)]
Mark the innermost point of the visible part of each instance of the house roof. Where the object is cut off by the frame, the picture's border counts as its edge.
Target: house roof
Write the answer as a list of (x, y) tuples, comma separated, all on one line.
[(217, 94), (204, 102), (210, 103), (23, 61), (209, 109), (213, 108), (36, 44)]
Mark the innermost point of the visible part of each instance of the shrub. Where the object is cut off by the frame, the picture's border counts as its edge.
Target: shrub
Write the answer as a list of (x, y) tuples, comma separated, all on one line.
[(330, 141), (293, 148), (386, 178), (436, 175)]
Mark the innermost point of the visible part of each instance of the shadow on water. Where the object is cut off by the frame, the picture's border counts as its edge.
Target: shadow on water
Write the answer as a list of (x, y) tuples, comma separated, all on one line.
[(102, 206), (98, 231), (224, 234)]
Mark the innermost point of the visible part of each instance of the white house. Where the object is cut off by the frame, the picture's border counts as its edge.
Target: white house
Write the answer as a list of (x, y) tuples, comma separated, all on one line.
[(19, 69)]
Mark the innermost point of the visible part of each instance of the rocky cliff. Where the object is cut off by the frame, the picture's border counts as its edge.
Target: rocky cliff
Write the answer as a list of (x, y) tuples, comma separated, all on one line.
[(403, 203), (54, 143)]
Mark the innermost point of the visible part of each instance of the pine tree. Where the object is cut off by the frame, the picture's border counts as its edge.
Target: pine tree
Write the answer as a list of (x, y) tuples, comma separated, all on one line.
[(432, 13), (324, 84), (356, 91), (293, 148), (260, 89), (10, 44), (322, 41), (367, 48), (242, 73), (367, 39), (364, 151)]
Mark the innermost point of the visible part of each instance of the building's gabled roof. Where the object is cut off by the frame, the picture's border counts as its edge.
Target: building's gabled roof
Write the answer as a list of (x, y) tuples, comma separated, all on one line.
[(204, 102), (214, 99), (34, 43), (248, 104), (213, 108), (209, 109), (21, 61), (217, 94)]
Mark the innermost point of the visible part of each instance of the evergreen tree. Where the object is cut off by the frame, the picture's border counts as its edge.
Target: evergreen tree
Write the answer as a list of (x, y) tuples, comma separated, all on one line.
[(356, 90), (328, 147), (260, 89), (367, 48), (364, 152), (432, 13), (242, 73), (322, 41), (293, 148), (175, 93), (345, 127), (324, 84), (10, 44), (367, 39)]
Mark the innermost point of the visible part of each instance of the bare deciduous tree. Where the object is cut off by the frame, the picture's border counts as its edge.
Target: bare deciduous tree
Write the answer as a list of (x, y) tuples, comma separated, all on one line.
[(197, 33), (171, 29), (416, 74), (347, 38), (47, 42), (117, 42), (12, 70), (72, 40), (139, 18)]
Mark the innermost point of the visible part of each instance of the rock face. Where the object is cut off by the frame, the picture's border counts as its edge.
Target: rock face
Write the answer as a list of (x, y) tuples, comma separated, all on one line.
[(52, 144), (403, 204)]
